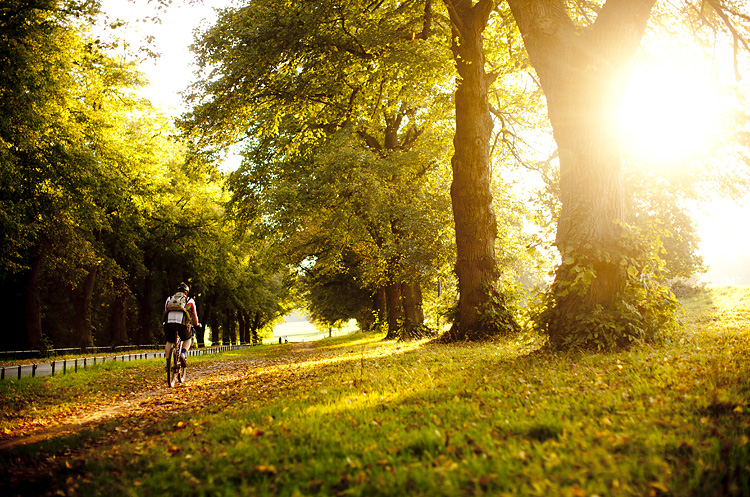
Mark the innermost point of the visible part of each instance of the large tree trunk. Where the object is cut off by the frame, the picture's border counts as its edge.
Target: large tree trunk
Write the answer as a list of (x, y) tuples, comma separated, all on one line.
[(476, 226), (119, 312), (395, 311), (582, 74), (33, 308), (413, 313), (380, 301)]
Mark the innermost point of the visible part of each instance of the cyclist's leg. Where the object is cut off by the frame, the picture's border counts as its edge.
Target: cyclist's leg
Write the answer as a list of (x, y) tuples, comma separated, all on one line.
[(170, 337), (186, 344), (186, 337)]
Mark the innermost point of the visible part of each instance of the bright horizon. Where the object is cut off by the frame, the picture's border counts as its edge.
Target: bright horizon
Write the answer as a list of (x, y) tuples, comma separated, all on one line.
[(657, 122)]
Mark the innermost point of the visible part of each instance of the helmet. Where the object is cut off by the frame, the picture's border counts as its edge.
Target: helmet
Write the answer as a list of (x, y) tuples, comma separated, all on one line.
[(183, 287)]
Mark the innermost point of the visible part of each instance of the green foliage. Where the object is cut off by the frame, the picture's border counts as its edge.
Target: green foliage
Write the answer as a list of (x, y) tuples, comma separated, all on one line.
[(100, 198), (642, 311), (499, 313), (657, 199)]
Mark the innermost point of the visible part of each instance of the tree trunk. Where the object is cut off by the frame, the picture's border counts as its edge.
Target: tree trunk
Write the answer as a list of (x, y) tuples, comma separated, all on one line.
[(380, 301), (582, 74), (146, 312), (413, 314), (83, 331), (217, 331), (230, 324), (471, 195), (244, 324), (119, 313), (395, 311), (255, 327), (33, 309), (208, 319)]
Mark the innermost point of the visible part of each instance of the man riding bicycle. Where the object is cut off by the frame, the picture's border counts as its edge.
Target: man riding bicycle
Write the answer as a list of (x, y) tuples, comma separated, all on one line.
[(180, 313)]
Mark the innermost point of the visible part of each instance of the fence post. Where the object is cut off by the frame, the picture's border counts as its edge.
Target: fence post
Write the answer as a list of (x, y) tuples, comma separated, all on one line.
[(84, 363), (33, 370), (53, 368), (65, 366), (19, 372), (76, 365), (2, 373)]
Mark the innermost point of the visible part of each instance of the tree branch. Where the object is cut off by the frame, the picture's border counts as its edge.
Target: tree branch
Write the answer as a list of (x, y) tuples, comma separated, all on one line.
[(737, 37)]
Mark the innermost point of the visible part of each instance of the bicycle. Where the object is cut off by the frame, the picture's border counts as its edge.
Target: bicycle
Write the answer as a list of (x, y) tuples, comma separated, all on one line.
[(176, 369)]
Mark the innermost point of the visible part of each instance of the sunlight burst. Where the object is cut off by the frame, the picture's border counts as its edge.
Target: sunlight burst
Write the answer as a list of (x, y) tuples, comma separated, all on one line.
[(671, 113)]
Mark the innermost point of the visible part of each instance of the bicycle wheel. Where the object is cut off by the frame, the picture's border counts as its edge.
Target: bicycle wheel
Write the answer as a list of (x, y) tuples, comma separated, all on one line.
[(170, 378), (171, 369), (174, 365)]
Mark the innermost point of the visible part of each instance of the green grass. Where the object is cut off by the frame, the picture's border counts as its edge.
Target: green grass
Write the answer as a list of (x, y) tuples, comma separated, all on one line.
[(362, 416)]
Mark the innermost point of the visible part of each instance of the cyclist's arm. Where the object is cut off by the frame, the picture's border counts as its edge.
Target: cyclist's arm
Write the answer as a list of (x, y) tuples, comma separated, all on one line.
[(194, 312)]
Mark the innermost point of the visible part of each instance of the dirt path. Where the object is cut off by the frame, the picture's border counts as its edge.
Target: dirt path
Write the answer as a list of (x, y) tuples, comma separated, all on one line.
[(207, 384)]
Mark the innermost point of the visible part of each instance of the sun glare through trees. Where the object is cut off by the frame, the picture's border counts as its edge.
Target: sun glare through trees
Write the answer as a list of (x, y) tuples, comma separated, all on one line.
[(672, 112)]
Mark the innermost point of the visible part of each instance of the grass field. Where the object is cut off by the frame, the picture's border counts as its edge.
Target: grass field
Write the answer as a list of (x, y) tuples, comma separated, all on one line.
[(357, 415)]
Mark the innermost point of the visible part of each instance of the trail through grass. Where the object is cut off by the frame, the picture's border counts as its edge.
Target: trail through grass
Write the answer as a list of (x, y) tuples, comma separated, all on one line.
[(357, 415)]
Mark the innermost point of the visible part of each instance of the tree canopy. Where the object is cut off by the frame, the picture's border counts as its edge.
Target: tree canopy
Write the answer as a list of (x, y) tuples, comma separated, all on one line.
[(387, 152)]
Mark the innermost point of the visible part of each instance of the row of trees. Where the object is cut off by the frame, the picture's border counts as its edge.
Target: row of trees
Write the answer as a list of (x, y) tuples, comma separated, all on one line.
[(104, 208), (344, 111), (381, 143)]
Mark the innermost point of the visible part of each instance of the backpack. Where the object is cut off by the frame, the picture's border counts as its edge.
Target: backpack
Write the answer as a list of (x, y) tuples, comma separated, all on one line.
[(178, 302)]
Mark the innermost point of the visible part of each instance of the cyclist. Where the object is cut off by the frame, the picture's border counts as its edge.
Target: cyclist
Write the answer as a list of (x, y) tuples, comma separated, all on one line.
[(181, 315)]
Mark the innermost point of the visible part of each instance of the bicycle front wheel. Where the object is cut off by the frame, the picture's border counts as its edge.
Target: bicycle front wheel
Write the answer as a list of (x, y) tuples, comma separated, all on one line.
[(173, 368), (170, 381)]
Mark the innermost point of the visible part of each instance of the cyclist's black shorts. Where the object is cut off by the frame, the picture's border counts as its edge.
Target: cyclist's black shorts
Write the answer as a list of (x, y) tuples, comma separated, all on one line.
[(172, 329)]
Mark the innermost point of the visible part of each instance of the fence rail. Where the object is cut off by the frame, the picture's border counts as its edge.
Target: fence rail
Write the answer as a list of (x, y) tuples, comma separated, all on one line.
[(35, 353), (65, 366)]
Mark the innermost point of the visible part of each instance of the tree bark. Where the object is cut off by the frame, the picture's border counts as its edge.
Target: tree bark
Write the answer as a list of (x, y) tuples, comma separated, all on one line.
[(381, 307), (582, 74), (395, 311), (413, 313), (471, 195)]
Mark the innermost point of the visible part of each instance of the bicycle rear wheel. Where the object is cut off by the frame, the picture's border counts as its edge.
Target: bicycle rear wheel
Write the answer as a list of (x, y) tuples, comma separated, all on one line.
[(174, 365), (169, 371)]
